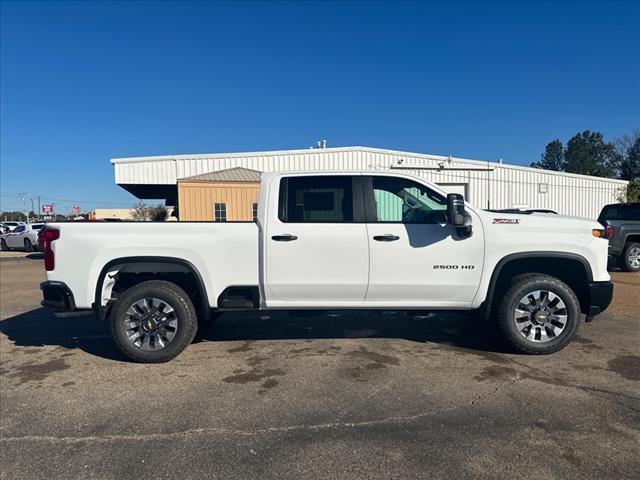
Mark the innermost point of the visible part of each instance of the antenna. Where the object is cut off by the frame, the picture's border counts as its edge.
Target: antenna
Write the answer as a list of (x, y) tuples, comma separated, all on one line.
[(320, 144)]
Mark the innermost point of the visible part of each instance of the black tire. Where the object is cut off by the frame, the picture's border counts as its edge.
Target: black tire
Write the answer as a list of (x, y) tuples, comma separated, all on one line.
[(3, 245), (172, 295), (629, 253), (28, 246), (521, 286)]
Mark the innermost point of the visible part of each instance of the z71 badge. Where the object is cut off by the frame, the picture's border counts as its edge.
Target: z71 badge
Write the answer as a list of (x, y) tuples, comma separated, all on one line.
[(506, 220)]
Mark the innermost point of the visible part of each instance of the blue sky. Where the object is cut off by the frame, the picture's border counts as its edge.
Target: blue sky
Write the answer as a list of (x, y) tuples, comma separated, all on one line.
[(84, 82)]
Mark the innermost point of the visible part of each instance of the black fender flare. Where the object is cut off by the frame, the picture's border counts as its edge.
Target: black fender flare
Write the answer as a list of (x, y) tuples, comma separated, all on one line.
[(101, 311), (487, 304)]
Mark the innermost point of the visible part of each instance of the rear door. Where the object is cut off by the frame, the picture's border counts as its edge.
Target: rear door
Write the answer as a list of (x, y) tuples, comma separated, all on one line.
[(316, 243)]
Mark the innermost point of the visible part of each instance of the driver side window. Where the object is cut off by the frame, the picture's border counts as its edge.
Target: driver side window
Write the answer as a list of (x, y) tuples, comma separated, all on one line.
[(400, 200)]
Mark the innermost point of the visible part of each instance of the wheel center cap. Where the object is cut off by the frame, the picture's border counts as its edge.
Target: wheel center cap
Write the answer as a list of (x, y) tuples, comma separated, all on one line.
[(541, 316), (149, 324)]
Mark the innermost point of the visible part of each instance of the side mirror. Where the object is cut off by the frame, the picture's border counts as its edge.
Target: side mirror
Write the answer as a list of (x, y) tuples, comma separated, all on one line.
[(458, 216)]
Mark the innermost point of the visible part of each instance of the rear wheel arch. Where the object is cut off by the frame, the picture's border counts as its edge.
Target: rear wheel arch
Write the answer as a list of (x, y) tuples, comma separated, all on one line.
[(632, 238), (571, 268), (141, 266)]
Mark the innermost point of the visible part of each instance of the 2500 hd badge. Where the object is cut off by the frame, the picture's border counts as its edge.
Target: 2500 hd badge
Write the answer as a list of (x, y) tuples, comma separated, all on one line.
[(454, 267)]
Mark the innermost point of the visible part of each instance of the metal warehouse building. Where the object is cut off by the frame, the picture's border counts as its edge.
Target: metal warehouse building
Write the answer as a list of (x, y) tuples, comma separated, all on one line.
[(225, 186)]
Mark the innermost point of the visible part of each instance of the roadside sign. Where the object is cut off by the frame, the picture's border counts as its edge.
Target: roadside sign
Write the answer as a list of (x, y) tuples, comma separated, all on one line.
[(76, 209), (47, 208)]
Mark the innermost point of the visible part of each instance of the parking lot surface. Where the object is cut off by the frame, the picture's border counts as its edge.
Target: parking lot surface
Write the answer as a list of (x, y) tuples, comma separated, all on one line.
[(315, 395)]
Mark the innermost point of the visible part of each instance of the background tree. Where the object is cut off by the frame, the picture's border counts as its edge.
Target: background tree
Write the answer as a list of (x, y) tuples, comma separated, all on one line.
[(158, 213), (633, 192), (552, 158), (587, 153), (140, 212), (14, 217), (628, 148)]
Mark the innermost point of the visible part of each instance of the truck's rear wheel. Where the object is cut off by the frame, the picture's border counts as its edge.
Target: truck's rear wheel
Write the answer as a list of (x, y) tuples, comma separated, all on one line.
[(539, 314), (153, 321), (631, 257)]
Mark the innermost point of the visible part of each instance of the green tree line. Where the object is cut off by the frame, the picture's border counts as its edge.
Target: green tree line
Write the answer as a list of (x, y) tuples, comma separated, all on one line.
[(589, 154)]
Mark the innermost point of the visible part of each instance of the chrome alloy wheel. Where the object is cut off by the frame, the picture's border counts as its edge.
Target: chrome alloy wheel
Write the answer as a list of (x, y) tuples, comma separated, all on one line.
[(150, 323), (540, 316), (634, 257)]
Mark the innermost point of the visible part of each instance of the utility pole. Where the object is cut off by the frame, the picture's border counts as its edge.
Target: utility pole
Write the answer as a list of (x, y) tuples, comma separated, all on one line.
[(24, 203)]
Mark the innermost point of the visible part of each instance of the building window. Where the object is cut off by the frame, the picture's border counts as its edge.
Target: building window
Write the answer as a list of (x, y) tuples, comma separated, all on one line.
[(220, 212), (254, 210)]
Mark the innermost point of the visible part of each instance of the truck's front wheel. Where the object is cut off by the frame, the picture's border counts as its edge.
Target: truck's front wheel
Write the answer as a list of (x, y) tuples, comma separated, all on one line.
[(153, 321), (539, 314)]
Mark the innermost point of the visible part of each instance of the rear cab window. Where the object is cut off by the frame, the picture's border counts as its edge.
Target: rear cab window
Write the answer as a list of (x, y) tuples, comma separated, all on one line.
[(316, 199), (620, 212)]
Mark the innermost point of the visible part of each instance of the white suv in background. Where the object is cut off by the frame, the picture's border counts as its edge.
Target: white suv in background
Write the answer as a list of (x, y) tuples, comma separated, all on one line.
[(23, 237), (11, 225)]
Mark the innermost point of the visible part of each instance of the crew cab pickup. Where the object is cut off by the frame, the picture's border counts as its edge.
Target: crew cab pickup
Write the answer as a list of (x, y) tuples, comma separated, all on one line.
[(333, 240)]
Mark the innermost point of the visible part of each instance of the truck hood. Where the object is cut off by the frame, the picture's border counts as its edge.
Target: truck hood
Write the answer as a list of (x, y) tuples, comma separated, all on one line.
[(558, 223)]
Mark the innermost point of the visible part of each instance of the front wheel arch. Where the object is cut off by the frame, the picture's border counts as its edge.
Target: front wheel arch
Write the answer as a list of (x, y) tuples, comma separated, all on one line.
[(572, 269)]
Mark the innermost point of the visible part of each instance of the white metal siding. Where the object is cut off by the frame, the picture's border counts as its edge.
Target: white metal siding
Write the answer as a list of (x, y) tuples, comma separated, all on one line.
[(504, 187)]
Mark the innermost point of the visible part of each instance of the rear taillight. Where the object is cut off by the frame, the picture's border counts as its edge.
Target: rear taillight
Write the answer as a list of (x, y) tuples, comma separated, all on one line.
[(608, 231), (44, 241)]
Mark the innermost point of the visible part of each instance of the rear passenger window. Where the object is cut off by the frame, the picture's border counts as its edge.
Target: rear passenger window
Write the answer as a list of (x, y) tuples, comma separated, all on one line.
[(633, 212), (611, 213), (621, 212), (317, 199)]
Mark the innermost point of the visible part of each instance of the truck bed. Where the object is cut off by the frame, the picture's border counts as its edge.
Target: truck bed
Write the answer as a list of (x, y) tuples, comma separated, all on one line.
[(85, 248)]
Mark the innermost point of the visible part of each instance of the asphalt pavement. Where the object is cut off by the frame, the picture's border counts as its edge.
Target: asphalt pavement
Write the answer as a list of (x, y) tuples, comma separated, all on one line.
[(316, 395)]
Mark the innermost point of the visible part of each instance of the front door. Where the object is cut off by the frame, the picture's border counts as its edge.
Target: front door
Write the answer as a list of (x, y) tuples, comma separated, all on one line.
[(416, 258), (317, 252)]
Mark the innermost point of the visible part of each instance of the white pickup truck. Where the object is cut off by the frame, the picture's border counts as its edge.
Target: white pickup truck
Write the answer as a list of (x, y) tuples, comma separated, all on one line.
[(333, 240)]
